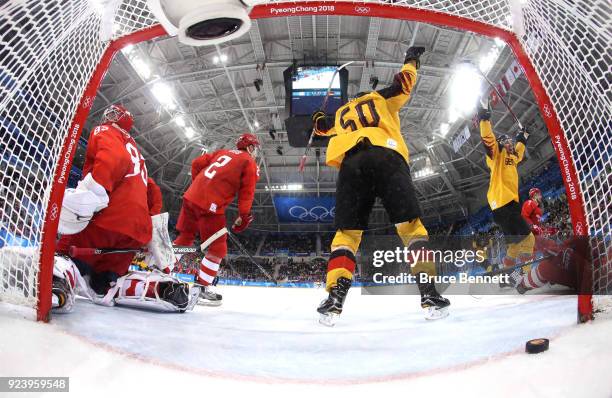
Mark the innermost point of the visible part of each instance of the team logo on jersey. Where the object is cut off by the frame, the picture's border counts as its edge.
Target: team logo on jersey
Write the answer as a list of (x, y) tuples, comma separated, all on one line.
[(100, 129)]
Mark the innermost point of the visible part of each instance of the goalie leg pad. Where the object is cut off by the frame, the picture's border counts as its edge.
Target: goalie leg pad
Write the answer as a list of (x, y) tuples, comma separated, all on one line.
[(153, 291)]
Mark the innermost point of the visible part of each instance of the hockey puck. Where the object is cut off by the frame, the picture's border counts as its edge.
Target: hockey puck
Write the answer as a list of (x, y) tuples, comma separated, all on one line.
[(536, 346)]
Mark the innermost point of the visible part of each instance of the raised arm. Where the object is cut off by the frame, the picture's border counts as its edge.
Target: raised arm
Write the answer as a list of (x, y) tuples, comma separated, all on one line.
[(398, 93), (486, 130)]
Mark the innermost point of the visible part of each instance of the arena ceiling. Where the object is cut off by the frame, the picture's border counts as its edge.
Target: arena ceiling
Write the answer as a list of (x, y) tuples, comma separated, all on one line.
[(186, 99)]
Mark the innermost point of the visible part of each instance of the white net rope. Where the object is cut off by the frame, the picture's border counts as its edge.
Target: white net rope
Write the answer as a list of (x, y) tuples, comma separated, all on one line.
[(48, 51)]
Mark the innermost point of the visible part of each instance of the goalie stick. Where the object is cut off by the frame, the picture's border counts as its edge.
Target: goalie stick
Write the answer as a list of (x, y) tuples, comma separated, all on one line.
[(322, 108), (90, 251), (471, 64)]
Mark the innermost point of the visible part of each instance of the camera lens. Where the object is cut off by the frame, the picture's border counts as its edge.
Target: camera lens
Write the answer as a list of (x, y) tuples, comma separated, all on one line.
[(213, 28)]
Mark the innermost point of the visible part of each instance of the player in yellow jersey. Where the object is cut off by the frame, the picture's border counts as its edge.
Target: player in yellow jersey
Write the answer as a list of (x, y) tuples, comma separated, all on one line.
[(368, 148), (503, 157)]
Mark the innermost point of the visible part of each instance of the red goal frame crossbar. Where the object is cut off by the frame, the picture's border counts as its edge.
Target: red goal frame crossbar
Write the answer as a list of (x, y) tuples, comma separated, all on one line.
[(389, 11)]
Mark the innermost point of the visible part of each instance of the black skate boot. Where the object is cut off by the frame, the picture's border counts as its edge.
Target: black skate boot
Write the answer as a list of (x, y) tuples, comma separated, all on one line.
[(62, 296), (331, 307), (431, 301), (209, 298)]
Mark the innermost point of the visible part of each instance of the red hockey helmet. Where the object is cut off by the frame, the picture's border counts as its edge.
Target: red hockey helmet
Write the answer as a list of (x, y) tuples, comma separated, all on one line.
[(533, 192), (118, 115), (247, 139)]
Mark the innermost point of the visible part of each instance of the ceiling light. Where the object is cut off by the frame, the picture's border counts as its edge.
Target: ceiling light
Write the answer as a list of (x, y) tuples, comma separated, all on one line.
[(141, 68), (216, 59), (163, 93), (444, 127), (223, 58), (256, 124), (465, 90), (180, 121), (189, 132)]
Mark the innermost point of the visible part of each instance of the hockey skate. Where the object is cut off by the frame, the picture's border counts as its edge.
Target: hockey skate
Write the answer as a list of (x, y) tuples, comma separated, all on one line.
[(209, 298), (331, 308), (432, 302), (436, 306)]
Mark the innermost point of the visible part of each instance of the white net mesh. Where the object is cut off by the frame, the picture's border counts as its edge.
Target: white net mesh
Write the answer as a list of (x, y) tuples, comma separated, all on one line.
[(49, 50)]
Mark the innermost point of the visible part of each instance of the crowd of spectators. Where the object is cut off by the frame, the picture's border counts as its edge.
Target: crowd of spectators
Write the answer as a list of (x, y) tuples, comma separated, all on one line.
[(293, 244)]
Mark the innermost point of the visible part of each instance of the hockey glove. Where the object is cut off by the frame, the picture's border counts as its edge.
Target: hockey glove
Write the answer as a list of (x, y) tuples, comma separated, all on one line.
[(80, 204), (522, 136), (242, 223), (414, 54), (484, 109)]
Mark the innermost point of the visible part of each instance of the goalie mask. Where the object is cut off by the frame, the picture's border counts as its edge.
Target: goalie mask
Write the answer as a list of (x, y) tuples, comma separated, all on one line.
[(119, 115)]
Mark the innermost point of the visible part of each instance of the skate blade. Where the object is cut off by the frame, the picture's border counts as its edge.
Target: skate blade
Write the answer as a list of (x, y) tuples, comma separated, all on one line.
[(206, 303), (434, 313), (328, 320)]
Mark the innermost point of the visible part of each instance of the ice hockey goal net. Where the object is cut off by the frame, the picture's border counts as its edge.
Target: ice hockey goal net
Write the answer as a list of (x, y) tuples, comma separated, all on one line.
[(53, 55)]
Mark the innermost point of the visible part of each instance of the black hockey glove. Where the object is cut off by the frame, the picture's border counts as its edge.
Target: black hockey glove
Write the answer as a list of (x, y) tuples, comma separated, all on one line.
[(484, 109), (522, 136), (322, 121), (414, 54)]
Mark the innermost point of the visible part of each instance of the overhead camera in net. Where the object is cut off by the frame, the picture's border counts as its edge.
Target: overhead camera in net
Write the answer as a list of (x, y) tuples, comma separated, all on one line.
[(204, 22)]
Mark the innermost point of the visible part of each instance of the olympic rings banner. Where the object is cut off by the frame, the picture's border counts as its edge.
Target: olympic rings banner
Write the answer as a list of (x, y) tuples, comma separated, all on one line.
[(309, 209)]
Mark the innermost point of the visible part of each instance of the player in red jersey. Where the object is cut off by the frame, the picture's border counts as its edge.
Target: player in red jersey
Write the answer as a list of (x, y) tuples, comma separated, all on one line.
[(216, 179), (108, 209), (532, 214), (154, 197), (531, 211)]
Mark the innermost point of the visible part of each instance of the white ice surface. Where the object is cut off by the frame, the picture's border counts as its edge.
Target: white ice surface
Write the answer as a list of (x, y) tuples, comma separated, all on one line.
[(266, 341)]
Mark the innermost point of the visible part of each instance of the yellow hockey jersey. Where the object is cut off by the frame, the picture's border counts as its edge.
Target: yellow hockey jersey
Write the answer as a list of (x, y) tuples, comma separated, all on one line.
[(374, 116), (503, 187)]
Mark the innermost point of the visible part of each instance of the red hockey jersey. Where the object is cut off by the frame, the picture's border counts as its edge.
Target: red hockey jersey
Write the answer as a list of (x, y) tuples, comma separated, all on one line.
[(217, 177), (154, 197), (531, 212), (115, 163)]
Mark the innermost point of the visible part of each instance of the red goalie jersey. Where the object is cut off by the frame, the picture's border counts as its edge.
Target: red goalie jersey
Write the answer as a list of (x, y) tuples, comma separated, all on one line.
[(217, 177), (115, 163)]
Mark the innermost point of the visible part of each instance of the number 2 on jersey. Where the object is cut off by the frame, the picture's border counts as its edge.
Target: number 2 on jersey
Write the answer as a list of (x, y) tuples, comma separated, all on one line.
[(221, 161), (363, 120)]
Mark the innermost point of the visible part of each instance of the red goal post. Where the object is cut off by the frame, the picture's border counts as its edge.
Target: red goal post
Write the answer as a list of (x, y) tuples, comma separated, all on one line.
[(58, 61)]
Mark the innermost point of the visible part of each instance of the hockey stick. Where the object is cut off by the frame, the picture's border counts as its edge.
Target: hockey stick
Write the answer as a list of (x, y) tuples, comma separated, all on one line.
[(89, 251), (471, 64), (322, 108), (246, 253), (510, 269)]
